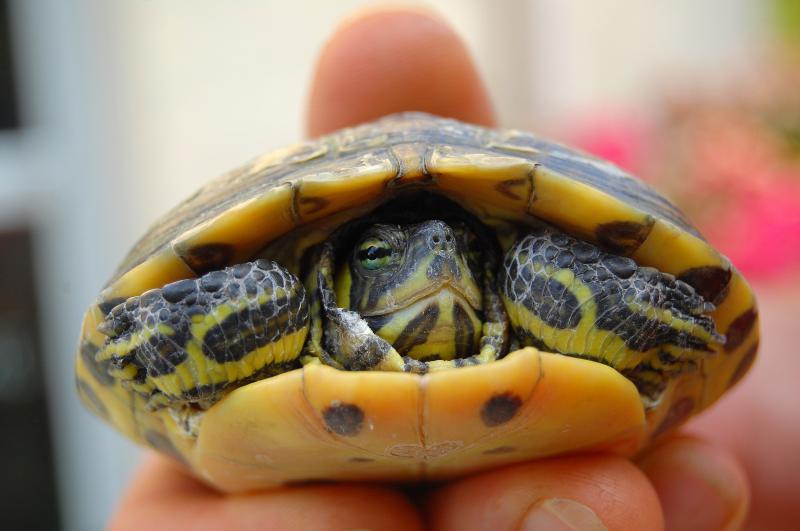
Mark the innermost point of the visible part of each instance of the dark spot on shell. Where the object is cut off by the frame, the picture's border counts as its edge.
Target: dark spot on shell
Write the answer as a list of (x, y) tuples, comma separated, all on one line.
[(500, 409), (744, 365), (107, 306), (621, 267), (208, 257), (177, 291), (91, 397), (622, 237), (344, 419), (739, 329), (506, 187), (310, 205), (710, 282), (500, 450), (678, 412), (361, 460), (163, 445)]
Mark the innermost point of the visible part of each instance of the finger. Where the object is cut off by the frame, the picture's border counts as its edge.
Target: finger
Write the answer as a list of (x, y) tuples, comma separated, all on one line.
[(700, 485), (586, 493), (163, 496), (392, 60)]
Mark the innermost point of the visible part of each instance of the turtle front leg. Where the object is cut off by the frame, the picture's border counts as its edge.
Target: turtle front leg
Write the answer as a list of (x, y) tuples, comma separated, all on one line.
[(339, 337), (567, 296), (192, 340)]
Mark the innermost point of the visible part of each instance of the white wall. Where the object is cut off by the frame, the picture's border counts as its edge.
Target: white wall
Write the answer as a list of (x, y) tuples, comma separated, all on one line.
[(615, 54), (132, 104)]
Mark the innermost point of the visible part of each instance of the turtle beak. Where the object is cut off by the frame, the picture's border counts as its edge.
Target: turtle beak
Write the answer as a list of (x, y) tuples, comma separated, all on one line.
[(441, 264), (448, 267)]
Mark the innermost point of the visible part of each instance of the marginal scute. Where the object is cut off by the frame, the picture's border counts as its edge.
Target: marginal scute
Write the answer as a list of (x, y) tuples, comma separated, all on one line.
[(709, 281), (309, 206), (678, 412), (556, 195), (491, 184), (622, 237), (343, 184), (97, 405), (510, 187), (744, 365), (254, 222), (209, 257), (98, 369), (740, 329), (411, 165), (162, 443), (159, 269)]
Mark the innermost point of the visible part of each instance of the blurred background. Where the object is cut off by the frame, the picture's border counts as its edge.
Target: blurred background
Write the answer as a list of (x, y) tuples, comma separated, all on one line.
[(113, 111)]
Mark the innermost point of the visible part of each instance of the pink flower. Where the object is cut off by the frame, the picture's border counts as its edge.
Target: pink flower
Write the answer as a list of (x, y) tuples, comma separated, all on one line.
[(760, 233), (620, 139)]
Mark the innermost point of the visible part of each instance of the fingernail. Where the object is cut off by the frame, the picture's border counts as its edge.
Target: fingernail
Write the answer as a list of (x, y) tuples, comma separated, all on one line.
[(698, 489), (560, 514)]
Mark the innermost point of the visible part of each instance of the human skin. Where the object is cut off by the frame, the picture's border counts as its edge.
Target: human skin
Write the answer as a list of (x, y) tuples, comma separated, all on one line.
[(414, 61)]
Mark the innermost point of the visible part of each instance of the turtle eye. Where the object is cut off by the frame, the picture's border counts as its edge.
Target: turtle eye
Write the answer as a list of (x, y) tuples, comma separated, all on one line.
[(374, 254)]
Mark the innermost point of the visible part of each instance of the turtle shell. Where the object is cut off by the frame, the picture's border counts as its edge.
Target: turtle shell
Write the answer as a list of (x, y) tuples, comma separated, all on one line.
[(320, 423)]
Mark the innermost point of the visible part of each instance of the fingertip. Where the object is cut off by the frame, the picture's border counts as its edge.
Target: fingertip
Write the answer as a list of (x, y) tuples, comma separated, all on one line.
[(164, 496), (701, 486), (160, 487), (591, 492), (338, 506), (390, 60)]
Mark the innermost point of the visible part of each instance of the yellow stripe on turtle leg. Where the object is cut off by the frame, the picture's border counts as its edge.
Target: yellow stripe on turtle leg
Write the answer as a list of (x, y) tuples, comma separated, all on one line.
[(193, 339)]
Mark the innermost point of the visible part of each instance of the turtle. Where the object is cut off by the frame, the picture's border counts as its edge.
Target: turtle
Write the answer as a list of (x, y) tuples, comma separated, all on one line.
[(413, 299)]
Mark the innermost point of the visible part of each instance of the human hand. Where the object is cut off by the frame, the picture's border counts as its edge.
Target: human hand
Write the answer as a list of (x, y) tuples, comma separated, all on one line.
[(395, 60), (757, 420)]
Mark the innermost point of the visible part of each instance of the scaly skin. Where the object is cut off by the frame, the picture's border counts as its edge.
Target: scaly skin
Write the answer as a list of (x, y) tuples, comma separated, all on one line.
[(412, 302)]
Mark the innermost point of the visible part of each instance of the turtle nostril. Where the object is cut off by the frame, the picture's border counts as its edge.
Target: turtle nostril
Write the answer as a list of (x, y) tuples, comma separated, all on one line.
[(436, 239), (448, 239)]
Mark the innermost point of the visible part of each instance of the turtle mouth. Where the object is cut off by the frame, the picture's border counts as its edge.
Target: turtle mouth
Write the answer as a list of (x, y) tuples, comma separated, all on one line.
[(460, 292), (438, 324)]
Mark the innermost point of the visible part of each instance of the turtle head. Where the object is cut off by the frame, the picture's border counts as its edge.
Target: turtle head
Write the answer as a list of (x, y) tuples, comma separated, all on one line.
[(417, 287)]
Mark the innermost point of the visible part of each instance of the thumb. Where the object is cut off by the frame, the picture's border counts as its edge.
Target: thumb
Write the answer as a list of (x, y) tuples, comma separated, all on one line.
[(587, 493)]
